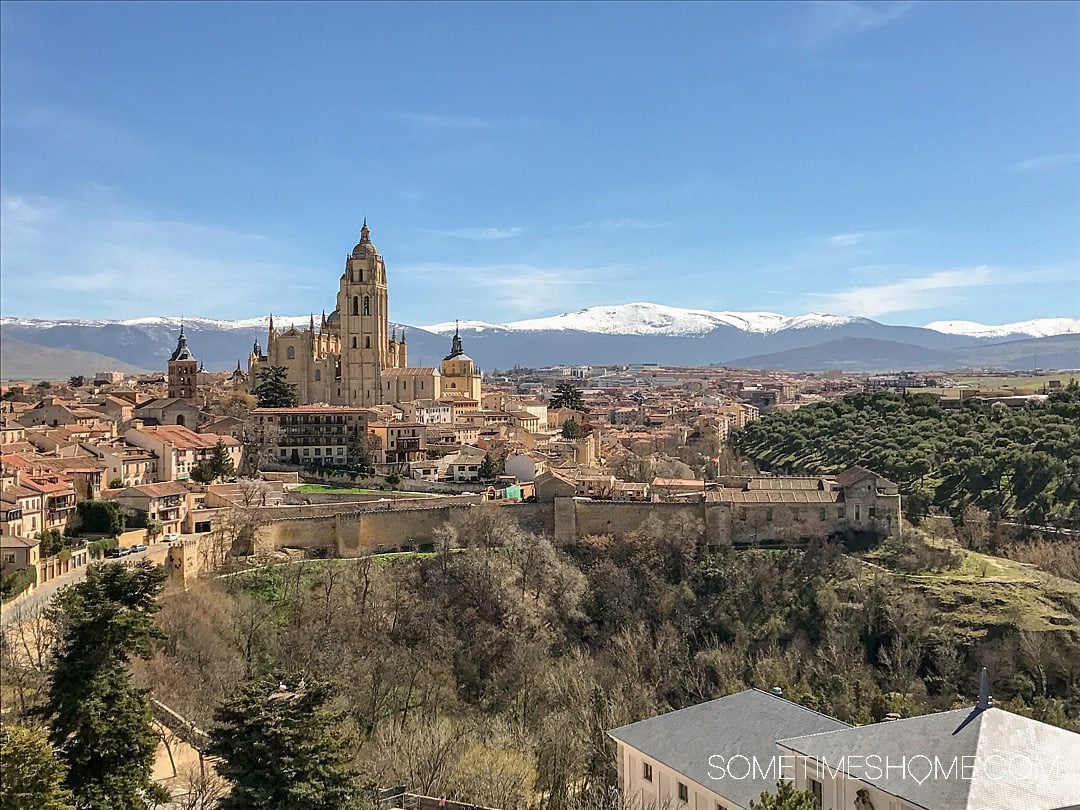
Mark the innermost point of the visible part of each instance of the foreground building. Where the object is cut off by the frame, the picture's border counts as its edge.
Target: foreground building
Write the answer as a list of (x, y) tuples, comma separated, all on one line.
[(722, 754)]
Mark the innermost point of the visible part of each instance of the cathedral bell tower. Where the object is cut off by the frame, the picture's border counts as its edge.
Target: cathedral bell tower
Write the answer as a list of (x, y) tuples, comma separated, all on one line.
[(183, 370), (363, 306)]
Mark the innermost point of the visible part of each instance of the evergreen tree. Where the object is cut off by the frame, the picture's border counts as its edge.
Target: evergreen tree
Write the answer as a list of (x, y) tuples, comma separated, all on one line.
[(787, 797), (101, 724), (30, 773), (221, 464), (571, 429), (280, 747), (486, 471), (567, 396), (202, 474), (274, 390)]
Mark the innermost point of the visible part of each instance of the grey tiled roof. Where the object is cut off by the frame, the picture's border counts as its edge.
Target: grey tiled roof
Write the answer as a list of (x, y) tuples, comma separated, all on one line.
[(949, 736), (743, 724)]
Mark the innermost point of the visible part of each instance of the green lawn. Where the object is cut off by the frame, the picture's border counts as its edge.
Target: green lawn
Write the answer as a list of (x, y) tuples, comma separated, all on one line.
[(325, 489)]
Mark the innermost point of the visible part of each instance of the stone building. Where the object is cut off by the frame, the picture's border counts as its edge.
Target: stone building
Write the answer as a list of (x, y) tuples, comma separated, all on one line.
[(183, 370), (352, 358)]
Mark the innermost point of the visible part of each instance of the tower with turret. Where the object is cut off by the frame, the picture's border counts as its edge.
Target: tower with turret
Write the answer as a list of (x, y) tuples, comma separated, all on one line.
[(183, 371)]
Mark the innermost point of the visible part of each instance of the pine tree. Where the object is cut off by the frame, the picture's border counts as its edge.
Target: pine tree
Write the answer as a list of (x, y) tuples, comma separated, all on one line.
[(486, 470), (100, 722), (787, 797), (221, 464), (567, 396), (30, 773), (280, 747), (274, 389), (571, 429)]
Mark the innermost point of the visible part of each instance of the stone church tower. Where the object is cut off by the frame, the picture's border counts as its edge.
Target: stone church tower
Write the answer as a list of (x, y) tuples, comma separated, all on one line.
[(352, 358), (183, 371), (363, 307)]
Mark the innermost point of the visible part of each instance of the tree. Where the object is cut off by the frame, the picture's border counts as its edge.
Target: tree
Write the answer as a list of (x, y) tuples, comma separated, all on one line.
[(571, 429), (100, 722), (32, 775), (567, 396), (486, 470), (287, 724), (274, 389), (201, 473), (116, 483), (236, 404), (77, 381), (361, 448), (221, 463), (787, 797), (101, 517), (153, 530)]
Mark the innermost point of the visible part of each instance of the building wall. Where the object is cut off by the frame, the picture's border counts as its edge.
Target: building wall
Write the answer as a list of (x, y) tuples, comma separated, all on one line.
[(662, 791)]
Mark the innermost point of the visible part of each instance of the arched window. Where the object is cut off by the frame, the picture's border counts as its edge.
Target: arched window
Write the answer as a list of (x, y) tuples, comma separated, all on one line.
[(367, 340), (290, 353), (318, 374), (356, 305), (361, 273), (367, 305), (180, 419)]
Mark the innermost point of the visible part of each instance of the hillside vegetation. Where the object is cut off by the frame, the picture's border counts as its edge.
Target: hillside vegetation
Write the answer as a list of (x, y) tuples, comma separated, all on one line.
[(1013, 463)]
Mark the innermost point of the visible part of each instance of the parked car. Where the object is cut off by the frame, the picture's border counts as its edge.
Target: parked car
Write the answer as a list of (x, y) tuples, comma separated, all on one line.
[(135, 549), (170, 538), (119, 551)]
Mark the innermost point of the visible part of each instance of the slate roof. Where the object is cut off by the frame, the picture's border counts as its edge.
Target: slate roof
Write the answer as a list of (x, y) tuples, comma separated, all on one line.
[(745, 724), (948, 736)]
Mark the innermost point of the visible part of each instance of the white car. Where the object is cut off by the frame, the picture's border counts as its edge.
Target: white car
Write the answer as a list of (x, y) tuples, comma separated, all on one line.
[(170, 538)]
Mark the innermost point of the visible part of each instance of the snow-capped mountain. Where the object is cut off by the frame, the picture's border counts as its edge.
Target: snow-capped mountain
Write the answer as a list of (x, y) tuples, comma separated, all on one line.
[(652, 319), (602, 335), (1041, 327)]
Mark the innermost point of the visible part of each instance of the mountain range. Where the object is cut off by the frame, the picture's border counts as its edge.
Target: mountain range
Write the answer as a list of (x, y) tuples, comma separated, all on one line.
[(626, 333)]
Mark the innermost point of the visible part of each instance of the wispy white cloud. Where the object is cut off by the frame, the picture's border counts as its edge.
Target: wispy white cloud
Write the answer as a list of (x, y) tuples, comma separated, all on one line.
[(846, 239), (526, 289), (481, 234), (823, 22), (90, 256), (919, 293), (435, 121), (1046, 162), (625, 224)]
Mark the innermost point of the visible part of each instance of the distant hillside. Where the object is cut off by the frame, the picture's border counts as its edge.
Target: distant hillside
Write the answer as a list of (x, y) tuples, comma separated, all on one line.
[(865, 354), (29, 361)]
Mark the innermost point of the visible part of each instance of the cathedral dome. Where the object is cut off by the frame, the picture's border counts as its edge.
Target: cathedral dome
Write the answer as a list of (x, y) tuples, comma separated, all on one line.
[(364, 246)]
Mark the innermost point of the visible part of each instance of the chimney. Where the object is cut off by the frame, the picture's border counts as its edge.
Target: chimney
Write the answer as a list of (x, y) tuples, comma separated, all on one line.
[(985, 699)]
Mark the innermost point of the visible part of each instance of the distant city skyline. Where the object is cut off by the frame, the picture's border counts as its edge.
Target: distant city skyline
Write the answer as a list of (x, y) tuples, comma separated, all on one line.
[(906, 162)]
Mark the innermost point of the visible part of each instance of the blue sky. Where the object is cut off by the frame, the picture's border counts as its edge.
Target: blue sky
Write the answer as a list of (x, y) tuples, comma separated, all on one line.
[(905, 161)]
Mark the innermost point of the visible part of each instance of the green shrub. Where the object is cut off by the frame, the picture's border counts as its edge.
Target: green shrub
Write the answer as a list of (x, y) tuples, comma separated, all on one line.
[(102, 517), (18, 581), (98, 547)]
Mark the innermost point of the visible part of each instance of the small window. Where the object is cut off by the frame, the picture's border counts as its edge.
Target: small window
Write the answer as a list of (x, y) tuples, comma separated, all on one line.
[(684, 793), (356, 305), (821, 513), (290, 353), (858, 512), (318, 374), (840, 512), (742, 513), (367, 305), (354, 341), (768, 514), (646, 771), (367, 343), (819, 794), (872, 512)]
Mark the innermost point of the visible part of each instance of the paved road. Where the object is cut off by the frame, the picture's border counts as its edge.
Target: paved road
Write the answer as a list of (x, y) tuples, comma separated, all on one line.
[(43, 593)]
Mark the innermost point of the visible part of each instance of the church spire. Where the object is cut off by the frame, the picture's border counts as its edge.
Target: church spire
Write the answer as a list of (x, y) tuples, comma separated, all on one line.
[(455, 344), (365, 234)]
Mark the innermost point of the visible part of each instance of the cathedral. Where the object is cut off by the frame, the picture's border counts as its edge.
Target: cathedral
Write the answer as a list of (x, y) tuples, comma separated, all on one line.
[(351, 358)]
